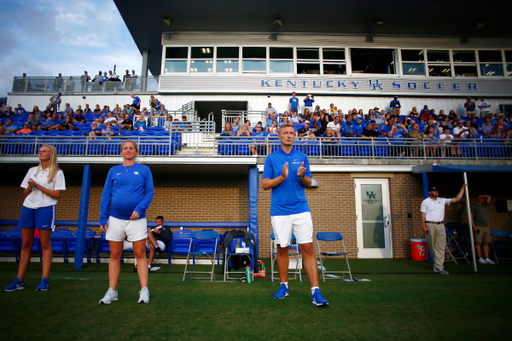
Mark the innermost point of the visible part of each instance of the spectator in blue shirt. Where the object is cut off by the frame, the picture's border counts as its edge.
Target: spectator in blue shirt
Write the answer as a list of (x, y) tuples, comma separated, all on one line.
[(395, 106), (349, 129), (294, 103), (20, 110), (10, 127), (68, 110), (140, 124)]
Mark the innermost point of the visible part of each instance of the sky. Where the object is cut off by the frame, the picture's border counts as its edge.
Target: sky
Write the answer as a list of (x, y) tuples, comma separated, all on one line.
[(45, 37)]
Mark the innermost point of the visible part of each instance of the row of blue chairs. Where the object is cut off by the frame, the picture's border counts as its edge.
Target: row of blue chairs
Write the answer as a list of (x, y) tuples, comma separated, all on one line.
[(182, 243), (63, 242)]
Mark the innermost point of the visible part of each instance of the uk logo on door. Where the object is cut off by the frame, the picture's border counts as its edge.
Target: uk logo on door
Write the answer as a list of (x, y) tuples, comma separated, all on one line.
[(371, 198)]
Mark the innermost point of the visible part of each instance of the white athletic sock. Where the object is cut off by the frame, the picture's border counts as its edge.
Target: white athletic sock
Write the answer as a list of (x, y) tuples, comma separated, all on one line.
[(313, 290), (285, 283)]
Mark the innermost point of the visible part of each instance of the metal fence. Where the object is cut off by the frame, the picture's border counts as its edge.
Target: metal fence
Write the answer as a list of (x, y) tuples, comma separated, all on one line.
[(159, 119), (198, 139), (74, 84), (253, 116)]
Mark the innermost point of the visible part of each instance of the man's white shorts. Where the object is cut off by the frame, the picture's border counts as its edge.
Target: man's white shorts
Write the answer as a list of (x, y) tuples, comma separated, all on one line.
[(300, 224), (131, 230)]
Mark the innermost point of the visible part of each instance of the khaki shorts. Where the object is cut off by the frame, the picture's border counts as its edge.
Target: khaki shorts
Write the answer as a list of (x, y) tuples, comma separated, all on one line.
[(484, 234)]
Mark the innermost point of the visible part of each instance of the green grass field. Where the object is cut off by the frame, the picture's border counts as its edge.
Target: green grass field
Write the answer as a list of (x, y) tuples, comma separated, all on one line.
[(405, 300)]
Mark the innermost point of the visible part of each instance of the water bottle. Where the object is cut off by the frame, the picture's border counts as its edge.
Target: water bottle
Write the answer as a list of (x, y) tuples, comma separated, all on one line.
[(248, 275)]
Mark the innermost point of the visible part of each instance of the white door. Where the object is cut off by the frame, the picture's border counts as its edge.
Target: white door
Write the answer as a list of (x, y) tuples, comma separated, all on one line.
[(373, 218)]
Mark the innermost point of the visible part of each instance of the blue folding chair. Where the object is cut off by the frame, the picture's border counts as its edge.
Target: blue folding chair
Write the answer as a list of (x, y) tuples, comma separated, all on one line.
[(293, 251), (60, 241), (13, 236), (180, 242), (455, 250), (10, 245), (89, 240), (329, 237), (231, 252), (203, 243), (502, 245), (102, 246)]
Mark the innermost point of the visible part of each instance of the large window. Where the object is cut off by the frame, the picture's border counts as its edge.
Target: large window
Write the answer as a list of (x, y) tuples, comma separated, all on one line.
[(176, 59), (334, 61), (508, 59), (201, 60), (228, 59), (413, 62), (490, 63), (381, 61), (308, 60), (464, 63), (254, 59), (438, 62), (281, 60)]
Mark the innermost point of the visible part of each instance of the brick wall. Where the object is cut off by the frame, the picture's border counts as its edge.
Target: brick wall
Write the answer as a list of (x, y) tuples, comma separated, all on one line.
[(217, 198)]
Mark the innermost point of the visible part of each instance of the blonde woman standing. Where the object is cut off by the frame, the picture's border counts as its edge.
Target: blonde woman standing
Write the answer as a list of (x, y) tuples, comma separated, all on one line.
[(43, 186)]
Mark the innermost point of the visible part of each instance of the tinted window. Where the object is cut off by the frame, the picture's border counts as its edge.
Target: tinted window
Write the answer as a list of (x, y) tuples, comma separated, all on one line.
[(281, 53), (202, 52), (334, 53), (254, 52), (307, 53), (463, 56), (176, 52), (489, 56), (227, 52), (413, 55), (438, 56)]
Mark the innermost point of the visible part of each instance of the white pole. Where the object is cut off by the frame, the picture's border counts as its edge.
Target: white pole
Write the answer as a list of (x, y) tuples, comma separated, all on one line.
[(471, 238)]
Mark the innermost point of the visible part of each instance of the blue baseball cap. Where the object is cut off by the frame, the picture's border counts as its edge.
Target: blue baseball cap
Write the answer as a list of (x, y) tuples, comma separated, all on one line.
[(432, 188)]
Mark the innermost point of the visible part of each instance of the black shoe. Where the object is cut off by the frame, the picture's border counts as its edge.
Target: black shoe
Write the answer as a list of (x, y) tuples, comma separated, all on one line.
[(134, 269), (158, 250)]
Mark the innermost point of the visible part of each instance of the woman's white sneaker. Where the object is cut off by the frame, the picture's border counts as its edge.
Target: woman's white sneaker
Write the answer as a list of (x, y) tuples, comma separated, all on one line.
[(144, 295), (110, 296)]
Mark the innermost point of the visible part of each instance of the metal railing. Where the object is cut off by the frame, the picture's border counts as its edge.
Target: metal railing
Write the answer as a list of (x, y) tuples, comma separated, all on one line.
[(76, 84), (370, 148), (159, 119), (198, 139), (253, 116)]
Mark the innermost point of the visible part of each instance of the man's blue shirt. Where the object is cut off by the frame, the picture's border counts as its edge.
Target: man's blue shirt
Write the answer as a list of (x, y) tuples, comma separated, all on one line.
[(294, 102), (288, 197)]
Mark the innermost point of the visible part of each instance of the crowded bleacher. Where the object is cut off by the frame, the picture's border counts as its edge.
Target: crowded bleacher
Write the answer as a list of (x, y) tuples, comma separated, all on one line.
[(329, 125)]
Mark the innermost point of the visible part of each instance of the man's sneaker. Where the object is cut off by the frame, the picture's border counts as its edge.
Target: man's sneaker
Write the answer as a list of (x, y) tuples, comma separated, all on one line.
[(318, 299), (481, 261), (282, 292), (443, 272), (16, 285), (144, 295), (110, 296), (488, 261), (43, 286), (435, 269)]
